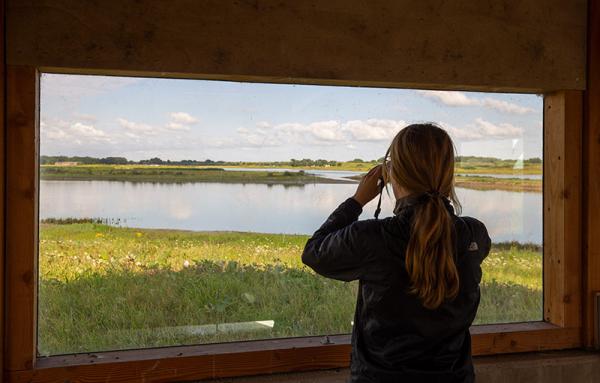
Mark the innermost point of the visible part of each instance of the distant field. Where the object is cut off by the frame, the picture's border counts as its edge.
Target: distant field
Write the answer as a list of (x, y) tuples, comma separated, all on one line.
[(165, 173), (491, 183), (149, 173), (103, 287), (470, 167)]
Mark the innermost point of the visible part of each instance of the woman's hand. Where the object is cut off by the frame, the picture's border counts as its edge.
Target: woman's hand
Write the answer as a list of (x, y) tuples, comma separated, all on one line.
[(369, 187)]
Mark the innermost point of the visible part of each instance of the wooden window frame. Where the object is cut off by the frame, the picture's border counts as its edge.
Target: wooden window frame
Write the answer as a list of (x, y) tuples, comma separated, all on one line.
[(560, 329)]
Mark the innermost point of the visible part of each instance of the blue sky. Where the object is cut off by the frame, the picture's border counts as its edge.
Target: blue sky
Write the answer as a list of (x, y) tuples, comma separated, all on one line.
[(140, 118)]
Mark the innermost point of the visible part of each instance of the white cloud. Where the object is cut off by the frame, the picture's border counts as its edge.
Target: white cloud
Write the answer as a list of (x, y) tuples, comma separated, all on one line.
[(505, 106), (329, 132), (87, 131), (461, 134), (483, 130), (72, 133), (452, 98), (183, 118), (373, 129), (448, 98), (52, 132), (489, 129), (76, 86), (176, 126), (180, 122), (136, 127), (326, 131)]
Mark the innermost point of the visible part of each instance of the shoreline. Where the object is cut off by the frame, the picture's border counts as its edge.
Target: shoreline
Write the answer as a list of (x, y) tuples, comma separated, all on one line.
[(179, 174), (106, 223)]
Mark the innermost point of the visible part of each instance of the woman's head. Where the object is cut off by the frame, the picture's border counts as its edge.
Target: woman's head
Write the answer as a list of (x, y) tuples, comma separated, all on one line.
[(420, 162)]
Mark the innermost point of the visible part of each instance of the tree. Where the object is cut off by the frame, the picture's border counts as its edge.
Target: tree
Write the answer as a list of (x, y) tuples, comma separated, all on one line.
[(534, 160)]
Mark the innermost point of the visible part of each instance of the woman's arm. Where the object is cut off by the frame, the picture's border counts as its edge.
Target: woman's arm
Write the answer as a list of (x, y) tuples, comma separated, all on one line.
[(335, 250)]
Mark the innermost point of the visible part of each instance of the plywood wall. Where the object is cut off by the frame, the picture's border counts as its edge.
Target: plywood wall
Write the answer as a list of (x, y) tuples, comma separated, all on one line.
[(533, 45)]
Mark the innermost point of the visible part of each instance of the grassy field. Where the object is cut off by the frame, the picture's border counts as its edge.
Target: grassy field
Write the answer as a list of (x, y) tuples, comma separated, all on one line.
[(491, 183), (472, 166), (161, 173), (103, 287)]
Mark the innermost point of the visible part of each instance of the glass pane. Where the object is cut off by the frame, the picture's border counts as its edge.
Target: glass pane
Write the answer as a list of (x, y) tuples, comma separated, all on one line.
[(175, 211)]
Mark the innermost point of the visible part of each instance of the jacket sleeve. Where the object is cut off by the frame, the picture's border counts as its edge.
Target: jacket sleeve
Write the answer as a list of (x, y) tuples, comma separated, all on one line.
[(335, 250), (481, 237)]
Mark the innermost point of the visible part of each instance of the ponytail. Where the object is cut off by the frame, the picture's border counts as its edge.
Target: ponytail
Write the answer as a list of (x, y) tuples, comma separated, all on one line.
[(422, 162), (429, 254)]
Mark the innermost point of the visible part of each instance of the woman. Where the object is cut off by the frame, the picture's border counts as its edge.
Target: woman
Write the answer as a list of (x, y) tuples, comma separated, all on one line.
[(418, 271)]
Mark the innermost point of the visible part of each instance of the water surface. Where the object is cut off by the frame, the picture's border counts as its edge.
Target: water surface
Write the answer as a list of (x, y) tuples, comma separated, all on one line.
[(509, 216)]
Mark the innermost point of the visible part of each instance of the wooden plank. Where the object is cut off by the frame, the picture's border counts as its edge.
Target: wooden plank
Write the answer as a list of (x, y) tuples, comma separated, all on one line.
[(264, 357), (21, 215), (591, 173), (562, 208), (2, 179), (526, 339), (300, 343), (533, 45)]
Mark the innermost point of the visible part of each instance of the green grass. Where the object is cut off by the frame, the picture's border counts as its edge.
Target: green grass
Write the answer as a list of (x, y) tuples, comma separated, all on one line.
[(493, 183), (496, 167), (104, 288), (473, 166), (141, 173)]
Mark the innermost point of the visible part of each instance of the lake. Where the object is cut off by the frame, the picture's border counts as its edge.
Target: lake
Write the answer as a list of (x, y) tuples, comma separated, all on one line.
[(509, 216)]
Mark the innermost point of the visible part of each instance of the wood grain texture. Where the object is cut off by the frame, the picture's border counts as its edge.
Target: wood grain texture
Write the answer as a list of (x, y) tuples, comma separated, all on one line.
[(21, 215), (532, 45), (591, 173), (562, 208), (2, 179), (264, 357)]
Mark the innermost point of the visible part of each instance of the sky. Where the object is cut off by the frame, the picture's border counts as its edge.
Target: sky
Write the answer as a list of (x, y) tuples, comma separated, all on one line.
[(140, 118)]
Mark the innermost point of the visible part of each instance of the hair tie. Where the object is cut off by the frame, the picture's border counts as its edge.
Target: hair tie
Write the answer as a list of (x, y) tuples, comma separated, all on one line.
[(433, 194)]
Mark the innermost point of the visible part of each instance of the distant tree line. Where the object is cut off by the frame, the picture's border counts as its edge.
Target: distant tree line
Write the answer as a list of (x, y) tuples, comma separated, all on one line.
[(305, 162), (533, 160), (50, 160), (158, 161), (308, 162)]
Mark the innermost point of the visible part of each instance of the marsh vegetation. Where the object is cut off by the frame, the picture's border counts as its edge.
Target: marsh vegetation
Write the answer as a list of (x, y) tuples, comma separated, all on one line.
[(104, 287)]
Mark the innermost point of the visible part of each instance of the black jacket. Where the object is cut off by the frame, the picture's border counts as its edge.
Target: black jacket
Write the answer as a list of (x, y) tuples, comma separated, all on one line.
[(395, 338)]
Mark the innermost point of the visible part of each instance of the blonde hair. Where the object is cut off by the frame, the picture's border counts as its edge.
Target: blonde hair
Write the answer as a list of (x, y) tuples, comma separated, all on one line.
[(421, 160)]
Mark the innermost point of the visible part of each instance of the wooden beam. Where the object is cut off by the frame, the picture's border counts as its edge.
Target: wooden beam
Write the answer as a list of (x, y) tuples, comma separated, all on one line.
[(2, 178), (530, 45), (562, 208), (264, 357), (21, 215), (591, 177)]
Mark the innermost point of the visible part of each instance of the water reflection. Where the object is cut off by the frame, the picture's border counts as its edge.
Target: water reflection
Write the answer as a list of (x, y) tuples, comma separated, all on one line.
[(509, 216)]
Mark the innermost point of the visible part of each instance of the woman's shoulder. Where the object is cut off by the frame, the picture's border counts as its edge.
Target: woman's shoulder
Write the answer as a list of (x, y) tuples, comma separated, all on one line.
[(379, 229), (475, 233), (473, 225)]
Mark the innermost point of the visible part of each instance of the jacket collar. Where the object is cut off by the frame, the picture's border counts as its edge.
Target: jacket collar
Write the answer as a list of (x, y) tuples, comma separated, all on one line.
[(408, 202)]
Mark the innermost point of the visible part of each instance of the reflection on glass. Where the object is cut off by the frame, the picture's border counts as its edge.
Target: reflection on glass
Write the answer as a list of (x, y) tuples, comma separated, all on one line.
[(139, 252)]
